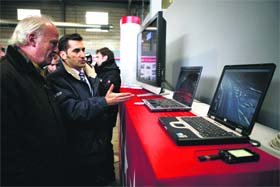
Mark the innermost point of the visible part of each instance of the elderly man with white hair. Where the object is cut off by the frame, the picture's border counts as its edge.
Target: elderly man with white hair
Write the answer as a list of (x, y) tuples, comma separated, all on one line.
[(32, 134)]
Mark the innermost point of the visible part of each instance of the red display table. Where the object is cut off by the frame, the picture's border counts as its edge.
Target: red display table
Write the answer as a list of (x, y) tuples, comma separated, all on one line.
[(148, 156)]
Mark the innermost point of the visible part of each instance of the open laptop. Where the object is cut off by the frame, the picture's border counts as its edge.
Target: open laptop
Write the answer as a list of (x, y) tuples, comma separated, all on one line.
[(234, 108), (183, 95)]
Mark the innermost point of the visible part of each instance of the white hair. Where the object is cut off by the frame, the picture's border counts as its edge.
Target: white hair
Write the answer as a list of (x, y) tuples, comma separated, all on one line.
[(29, 25)]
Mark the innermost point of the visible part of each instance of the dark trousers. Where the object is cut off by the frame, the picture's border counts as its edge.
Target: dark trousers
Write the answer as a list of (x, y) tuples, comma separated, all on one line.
[(99, 174)]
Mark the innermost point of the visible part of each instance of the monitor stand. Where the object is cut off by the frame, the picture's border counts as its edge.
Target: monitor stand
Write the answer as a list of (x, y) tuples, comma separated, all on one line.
[(154, 89)]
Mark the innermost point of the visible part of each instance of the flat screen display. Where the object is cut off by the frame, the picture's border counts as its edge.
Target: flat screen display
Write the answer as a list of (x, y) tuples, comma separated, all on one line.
[(240, 94), (147, 65), (151, 51)]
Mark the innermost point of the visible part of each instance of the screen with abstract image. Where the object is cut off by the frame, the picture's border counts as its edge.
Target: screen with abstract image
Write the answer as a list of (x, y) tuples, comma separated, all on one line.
[(240, 93)]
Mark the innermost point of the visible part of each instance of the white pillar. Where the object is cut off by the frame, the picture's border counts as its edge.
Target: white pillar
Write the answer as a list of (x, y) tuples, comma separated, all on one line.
[(130, 27)]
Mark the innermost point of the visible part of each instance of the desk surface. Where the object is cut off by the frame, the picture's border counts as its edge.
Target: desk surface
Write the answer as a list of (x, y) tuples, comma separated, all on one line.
[(169, 164)]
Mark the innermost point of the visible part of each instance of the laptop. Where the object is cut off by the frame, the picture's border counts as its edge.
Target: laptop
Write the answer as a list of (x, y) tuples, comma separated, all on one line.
[(233, 111), (183, 95)]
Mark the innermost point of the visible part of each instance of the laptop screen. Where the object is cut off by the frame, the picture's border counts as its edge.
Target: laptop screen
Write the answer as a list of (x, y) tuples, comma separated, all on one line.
[(186, 84), (240, 94)]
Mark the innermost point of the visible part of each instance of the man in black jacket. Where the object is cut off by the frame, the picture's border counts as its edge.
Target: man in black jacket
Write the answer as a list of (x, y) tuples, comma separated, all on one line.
[(109, 73), (32, 134), (75, 87), (107, 70)]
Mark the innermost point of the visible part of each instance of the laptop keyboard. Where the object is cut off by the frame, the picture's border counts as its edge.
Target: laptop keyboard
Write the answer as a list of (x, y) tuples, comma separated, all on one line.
[(206, 128), (164, 103)]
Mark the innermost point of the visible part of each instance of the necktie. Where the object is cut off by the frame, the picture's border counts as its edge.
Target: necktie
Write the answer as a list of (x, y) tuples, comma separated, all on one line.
[(83, 78)]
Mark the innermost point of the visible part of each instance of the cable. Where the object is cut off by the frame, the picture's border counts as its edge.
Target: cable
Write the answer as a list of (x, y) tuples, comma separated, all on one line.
[(255, 143)]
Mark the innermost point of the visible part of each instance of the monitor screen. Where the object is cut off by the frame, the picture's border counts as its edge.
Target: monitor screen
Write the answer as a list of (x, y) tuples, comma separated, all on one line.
[(187, 84), (151, 52), (240, 93)]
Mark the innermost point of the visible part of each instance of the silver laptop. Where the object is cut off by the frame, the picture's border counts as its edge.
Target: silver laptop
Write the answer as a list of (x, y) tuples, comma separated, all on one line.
[(233, 111), (183, 95)]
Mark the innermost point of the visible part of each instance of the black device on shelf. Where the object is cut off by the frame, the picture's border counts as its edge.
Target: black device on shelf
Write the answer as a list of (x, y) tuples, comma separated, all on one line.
[(234, 156), (151, 52)]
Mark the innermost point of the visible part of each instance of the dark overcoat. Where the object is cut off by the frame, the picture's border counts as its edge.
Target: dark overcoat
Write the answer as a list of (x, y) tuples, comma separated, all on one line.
[(88, 139), (32, 134)]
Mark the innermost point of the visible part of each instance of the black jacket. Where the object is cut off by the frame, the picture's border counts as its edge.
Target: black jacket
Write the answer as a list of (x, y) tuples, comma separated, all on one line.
[(88, 139), (109, 73), (32, 134)]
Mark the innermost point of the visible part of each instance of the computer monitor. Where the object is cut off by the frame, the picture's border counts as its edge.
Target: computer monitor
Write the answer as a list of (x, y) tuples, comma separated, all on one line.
[(151, 54), (240, 93)]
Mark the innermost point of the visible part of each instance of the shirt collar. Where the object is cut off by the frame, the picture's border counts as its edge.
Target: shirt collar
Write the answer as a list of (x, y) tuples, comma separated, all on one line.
[(89, 71), (76, 71)]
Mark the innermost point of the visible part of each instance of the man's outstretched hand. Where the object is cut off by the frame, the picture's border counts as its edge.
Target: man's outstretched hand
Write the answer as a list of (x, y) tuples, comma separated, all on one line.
[(113, 98)]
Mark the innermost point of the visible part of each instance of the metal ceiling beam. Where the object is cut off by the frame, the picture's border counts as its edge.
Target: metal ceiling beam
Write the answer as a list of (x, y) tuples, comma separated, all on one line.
[(11, 23)]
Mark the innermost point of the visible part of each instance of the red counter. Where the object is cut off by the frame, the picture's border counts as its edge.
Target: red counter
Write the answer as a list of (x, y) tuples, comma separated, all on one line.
[(150, 158)]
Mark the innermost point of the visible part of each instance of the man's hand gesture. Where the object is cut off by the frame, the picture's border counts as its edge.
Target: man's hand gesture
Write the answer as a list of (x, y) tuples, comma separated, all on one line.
[(113, 98)]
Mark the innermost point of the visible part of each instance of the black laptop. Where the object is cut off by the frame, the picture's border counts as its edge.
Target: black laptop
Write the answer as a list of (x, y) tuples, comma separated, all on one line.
[(233, 111), (183, 95)]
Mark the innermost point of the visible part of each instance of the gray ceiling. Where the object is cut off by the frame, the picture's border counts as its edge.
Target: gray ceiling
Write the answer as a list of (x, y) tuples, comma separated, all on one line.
[(130, 3), (86, 1)]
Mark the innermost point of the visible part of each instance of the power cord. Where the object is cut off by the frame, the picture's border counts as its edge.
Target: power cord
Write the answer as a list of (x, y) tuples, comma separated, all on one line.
[(255, 143), (225, 156)]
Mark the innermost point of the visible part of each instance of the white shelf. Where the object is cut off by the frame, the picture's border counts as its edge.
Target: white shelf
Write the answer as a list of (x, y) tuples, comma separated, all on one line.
[(264, 135)]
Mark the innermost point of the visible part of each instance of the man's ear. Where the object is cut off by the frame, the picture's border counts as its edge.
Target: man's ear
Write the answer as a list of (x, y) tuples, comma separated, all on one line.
[(63, 55), (105, 58), (32, 39)]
